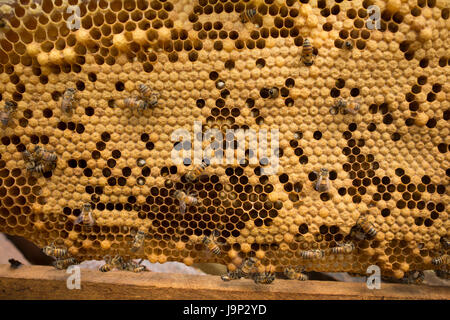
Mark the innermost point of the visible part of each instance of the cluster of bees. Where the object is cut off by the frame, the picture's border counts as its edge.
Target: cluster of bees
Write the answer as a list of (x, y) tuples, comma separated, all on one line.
[(189, 198), (40, 160), (63, 259), (118, 262), (147, 99)]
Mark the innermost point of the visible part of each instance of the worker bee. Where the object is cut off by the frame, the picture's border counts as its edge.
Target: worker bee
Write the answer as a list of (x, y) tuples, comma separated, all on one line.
[(343, 248), (248, 15), (185, 199), (64, 263), (40, 167), (135, 102), (273, 92), (27, 156), (135, 267), (8, 110), (211, 244), (42, 154), (193, 174), (86, 217), (444, 259), (413, 277), (145, 91), (247, 267), (111, 263), (312, 254), (367, 227), (232, 275), (348, 44), (307, 53), (295, 274), (265, 277), (323, 182), (106, 267), (443, 274), (52, 251), (346, 107), (149, 96), (68, 99), (138, 241)]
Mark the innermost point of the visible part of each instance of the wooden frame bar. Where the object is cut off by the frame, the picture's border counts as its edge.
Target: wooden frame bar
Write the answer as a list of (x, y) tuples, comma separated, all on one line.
[(42, 282)]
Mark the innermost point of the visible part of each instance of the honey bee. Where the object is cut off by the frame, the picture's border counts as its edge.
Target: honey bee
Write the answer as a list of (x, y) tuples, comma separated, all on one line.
[(9, 109), (265, 277), (443, 274), (248, 15), (86, 217), (346, 107), (148, 95), (185, 199), (64, 263), (413, 277), (40, 167), (44, 155), (135, 102), (68, 99), (273, 92), (27, 156), (366, 227), (211, 244), (294, 274), (444, 259), (307, 53), (312, 254), (111, 263), (135, 267), (138, 241), (323, 182), (348, 44), (193, 174), (247, 267), (52, 251), (343, 248)]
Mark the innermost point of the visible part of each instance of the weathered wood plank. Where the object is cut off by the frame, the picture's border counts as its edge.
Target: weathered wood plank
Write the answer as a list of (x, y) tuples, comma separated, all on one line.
[(40, 282)]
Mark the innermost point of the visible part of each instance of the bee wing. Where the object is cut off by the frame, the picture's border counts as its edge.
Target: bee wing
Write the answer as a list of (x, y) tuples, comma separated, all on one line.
[(79, 219), (182, 207)]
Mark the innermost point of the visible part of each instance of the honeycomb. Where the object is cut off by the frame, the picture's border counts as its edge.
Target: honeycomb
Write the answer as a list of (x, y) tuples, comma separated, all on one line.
[(387, 161)]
